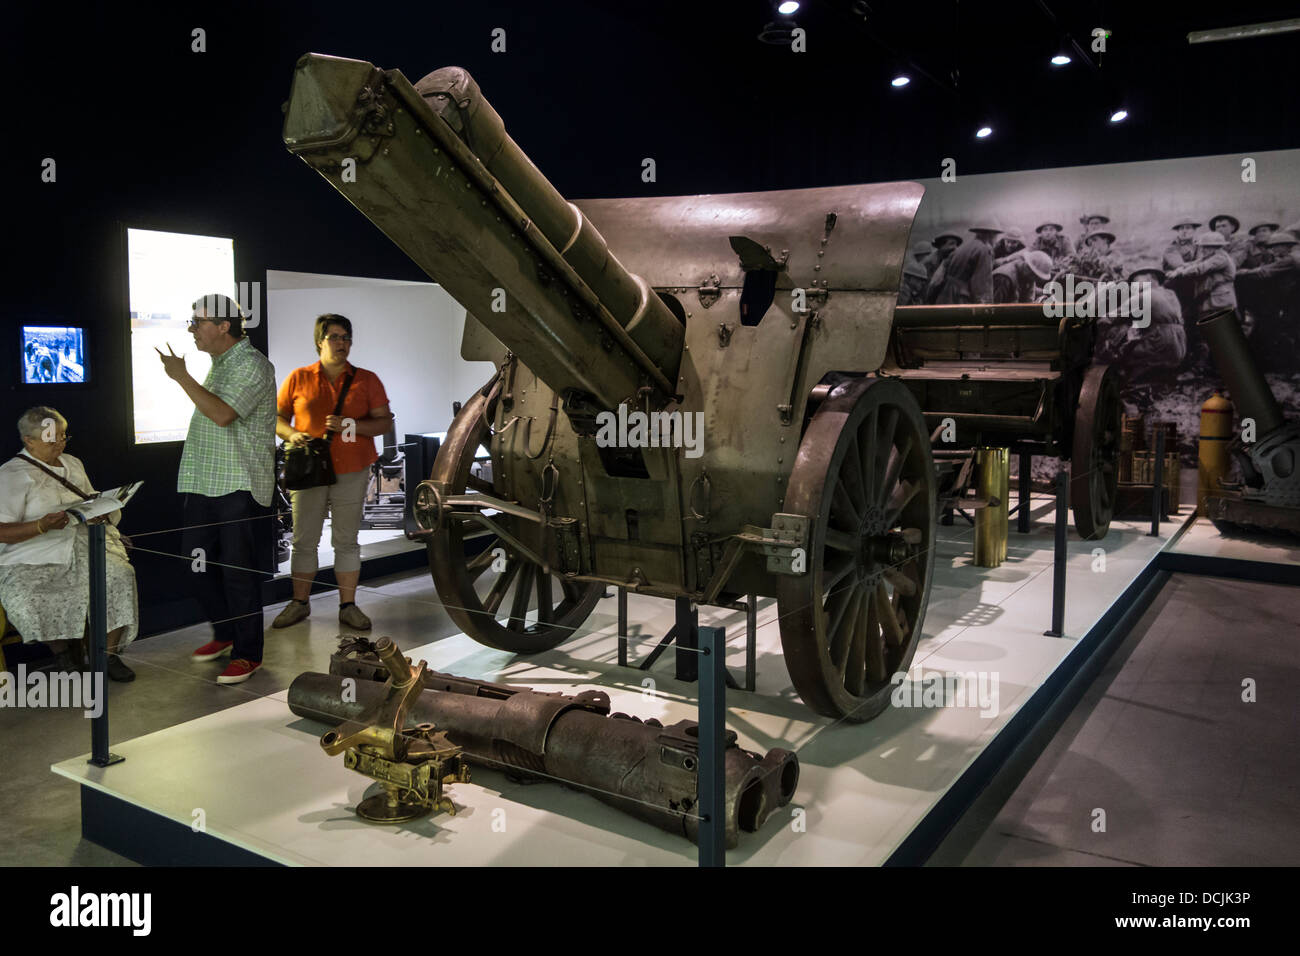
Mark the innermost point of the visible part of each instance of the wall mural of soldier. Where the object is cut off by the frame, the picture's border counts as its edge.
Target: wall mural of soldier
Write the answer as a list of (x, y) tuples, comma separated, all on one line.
[(1173, 224)]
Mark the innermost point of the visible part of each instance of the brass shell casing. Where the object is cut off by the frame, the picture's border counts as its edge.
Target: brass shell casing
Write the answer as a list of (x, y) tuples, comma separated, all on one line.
[(993, 481), (1216, 430)]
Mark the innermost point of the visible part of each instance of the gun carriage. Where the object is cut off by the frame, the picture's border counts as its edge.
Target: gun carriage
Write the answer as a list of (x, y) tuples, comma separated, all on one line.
[(1014, 376), (763, 318)]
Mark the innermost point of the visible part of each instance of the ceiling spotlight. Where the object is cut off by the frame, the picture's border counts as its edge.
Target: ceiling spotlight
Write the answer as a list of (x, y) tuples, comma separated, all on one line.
[(1062, 55), (787, 7), (1119, 116), (901, 80), (984, 132)]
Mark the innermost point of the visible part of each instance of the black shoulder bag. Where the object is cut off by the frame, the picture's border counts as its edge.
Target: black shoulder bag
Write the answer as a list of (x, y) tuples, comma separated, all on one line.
[(309, 465)]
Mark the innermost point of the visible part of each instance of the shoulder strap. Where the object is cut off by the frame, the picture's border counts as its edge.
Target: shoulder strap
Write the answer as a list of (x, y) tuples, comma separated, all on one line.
[(347, 383), (343, 393), (59, 478)]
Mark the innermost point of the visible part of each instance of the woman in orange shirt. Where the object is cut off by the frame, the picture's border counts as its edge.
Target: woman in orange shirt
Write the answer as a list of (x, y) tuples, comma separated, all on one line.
[(305, 407)]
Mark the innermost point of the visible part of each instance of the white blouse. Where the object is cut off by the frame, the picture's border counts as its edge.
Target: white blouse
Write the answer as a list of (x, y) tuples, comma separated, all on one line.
[(26, 494)]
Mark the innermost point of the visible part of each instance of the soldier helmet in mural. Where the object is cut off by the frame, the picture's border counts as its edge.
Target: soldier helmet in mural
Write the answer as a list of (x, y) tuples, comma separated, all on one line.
[(1211, 239), (1236, 223), (1283, 239), (1154, 271), (937, 241), (915, 270), (1093, 215), (1015, 235), (1099, 234), (989, 225), (1055, 225), (1263, 225), (1186, 222), (1040, 263), (921, 249)]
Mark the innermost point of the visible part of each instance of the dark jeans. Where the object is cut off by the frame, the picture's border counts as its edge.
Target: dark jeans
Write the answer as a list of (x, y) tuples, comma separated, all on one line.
[(227, 528)]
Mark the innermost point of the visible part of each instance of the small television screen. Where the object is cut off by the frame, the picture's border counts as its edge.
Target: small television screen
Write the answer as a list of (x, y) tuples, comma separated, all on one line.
[(53, 355)]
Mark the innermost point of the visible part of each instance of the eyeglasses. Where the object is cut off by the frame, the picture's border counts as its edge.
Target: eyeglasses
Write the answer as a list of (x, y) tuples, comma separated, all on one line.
[(337, 339), (193, 323)]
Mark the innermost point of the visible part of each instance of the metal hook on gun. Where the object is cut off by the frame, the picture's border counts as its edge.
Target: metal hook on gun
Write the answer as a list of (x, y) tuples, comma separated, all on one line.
[(701, 478)]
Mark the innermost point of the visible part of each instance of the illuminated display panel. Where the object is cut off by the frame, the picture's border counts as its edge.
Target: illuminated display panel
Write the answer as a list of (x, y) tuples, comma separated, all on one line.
[(166, 272)]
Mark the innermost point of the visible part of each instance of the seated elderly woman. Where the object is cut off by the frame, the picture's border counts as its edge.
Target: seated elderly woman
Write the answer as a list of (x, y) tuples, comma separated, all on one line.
[(45, 554)]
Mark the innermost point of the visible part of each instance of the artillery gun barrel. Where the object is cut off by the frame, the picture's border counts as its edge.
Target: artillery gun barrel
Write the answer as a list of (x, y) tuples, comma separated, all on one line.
[(1250, 392), (644, 769), (432, 166)]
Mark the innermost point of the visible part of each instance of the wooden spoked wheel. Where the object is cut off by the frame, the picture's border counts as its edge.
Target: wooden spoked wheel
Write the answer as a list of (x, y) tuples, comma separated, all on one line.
[(864, 477), (498, 597), (1094, 471)]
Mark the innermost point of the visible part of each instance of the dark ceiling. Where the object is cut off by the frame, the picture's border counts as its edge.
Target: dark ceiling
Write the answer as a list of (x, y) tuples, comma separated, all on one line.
[(145, 129)]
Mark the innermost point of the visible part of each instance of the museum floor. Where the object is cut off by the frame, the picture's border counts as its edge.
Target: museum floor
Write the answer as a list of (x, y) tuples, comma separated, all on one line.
[(1160, 741), (1187, 774)]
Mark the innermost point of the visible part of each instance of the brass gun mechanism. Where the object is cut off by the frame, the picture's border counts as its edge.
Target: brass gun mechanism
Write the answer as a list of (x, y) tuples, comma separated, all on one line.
[(411, 763)]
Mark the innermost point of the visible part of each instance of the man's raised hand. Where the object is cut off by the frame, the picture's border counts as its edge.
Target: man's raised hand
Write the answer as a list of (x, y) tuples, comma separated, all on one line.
[(173, 364)]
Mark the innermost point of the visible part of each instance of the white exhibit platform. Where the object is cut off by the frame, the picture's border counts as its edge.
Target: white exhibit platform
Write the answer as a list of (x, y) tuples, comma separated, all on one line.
[(1203, 539), (258, 778)]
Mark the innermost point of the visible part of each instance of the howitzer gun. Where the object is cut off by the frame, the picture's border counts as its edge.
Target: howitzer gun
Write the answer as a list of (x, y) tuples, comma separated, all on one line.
[(1268, 496), (700, 416)]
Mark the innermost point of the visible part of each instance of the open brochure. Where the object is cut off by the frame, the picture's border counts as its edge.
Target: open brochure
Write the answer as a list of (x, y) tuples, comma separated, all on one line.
[(104, 504)]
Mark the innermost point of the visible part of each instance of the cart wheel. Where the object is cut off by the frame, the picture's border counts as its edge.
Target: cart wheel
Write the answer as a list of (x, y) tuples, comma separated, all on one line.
[(1094, 460), (864, 477), (474, 592)]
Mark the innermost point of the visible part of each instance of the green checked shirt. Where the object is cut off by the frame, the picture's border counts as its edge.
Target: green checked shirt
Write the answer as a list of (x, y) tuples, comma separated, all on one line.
[(240, 457)]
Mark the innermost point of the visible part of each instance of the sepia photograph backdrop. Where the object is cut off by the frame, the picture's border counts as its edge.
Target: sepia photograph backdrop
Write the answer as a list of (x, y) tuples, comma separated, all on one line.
[(1142, 203)]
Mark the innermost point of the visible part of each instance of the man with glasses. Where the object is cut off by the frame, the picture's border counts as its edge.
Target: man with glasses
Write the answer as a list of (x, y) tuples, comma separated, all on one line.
[(227, 474)]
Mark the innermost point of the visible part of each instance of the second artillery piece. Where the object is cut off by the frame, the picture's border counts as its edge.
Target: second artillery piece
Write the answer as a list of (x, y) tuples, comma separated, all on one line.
[(1267, 498), (762, 317), (1013, 375)]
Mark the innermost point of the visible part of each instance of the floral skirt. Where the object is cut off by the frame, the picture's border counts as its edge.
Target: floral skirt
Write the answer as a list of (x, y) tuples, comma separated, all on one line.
[(50, 602)]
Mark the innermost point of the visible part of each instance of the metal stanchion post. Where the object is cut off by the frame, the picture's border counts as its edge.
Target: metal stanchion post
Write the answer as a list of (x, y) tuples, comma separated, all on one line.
[(1023, 492), (712, 781), (1059, 556), (1158, 481), (622, 628), (688, 617), (751, 621), (99, 752)]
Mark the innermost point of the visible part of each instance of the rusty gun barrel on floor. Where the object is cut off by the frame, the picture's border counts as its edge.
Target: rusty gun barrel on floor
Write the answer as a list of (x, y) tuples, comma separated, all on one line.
[(642, 768)]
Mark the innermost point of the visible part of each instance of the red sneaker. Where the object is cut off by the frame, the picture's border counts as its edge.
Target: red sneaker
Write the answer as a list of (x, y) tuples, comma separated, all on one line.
[(238, 671), (212, 650)]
